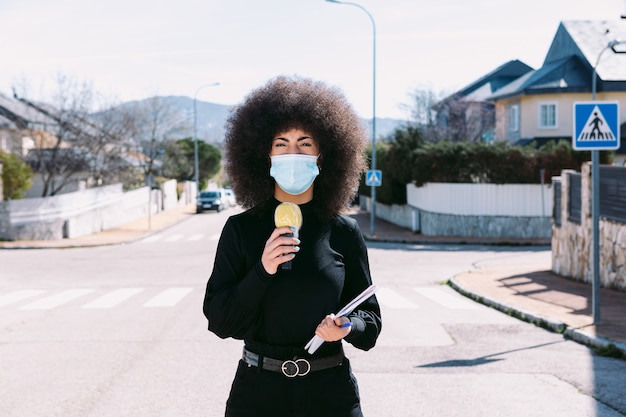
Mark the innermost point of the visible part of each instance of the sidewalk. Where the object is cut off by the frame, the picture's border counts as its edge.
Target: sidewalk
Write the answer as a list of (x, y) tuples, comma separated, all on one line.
[(530, 292), (130, 232)]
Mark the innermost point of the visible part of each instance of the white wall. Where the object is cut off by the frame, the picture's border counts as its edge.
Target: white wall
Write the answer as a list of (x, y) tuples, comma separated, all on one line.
[(528, 200)]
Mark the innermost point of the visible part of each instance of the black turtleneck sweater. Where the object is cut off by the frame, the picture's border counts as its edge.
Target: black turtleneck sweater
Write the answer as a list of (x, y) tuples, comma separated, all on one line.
[(276, 315)]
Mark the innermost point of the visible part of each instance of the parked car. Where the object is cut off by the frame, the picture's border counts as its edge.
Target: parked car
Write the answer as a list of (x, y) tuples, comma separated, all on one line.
[(229, 196), (210, 200)]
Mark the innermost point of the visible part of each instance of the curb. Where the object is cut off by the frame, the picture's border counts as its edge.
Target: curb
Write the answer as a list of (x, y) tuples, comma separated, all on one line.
[(454, 241), (78, 243), (593, 341), (556, 326)]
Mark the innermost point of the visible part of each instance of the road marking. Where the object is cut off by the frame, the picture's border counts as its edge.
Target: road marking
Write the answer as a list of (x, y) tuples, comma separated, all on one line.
[(152, 238), (168, 298), (113, 298), (174, 238), (15, 296), (445, 299), (56, 300), (390, 298)]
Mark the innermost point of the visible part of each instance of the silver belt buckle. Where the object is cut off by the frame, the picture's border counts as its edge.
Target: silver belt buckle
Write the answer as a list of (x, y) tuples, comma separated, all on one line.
[(294, 368)]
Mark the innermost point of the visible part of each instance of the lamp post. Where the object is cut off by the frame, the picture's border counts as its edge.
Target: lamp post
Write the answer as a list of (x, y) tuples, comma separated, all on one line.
[(1, 189), (196, 170), (373, 189), (595, 196)]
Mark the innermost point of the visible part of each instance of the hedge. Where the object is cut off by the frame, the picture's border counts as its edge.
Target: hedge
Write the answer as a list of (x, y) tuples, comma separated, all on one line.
[(405, 157)]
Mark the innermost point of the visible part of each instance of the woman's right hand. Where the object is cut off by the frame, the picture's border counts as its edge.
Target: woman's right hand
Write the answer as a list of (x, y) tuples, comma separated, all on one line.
[(281, 247)]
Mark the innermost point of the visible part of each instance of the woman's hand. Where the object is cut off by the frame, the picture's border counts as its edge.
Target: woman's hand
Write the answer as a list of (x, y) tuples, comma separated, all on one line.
[(333, 328), (279, 248)]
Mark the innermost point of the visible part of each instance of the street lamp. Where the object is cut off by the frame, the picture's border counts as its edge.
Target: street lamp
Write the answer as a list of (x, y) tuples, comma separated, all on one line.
[(195, 135), (595, 197), (1, 189), (373, 189)]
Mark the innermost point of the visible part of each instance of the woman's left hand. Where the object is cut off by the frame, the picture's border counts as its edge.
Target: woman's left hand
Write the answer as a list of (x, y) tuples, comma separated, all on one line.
[(333, 328)]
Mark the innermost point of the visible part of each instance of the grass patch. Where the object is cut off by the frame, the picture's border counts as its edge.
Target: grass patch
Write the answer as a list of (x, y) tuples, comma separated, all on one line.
[(610, 351)]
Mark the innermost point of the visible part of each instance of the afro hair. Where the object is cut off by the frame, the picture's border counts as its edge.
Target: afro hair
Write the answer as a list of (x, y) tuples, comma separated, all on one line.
[(285, 103)]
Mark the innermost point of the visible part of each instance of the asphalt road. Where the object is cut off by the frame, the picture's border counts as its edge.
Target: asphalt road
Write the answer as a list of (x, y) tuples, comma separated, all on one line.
[(119, 331)]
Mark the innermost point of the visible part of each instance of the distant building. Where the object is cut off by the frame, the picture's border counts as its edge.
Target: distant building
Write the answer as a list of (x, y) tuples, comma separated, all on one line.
[(468, 115), (521, 105), (538, 106)]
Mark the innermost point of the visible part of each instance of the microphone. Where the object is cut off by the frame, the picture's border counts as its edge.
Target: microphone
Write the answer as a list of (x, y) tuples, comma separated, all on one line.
[(288, 214)]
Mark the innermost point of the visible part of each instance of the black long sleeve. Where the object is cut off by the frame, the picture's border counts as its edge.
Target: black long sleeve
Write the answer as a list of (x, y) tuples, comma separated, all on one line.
[(244, 302)]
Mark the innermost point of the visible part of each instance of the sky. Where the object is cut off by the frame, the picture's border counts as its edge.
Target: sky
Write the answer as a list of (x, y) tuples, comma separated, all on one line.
[(134, 49)]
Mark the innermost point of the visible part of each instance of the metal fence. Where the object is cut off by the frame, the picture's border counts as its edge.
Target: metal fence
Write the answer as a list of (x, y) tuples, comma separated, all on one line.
[(556, 205), (612, 196), (574, 208), (613, 193)]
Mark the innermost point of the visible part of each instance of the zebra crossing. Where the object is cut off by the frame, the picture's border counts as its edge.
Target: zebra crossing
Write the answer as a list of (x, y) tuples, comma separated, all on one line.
[(177, 237), (92, 298), (34, 299)]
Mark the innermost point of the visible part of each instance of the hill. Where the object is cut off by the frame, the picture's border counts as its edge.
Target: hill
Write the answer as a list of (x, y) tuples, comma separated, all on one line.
[(211, 118)]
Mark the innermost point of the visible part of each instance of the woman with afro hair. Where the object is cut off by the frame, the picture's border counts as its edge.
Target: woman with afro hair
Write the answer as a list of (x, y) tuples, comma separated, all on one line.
[(298, 141)]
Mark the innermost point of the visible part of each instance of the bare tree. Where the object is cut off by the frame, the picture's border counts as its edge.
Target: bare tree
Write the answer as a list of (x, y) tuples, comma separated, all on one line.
[(70, 145), (58, 155), (461, 119), (423, 111), (451, 117), (157, 124), (112, 143)]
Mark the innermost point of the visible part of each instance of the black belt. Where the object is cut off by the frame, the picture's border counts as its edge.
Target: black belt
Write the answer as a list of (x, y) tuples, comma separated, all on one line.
[(293, 367)]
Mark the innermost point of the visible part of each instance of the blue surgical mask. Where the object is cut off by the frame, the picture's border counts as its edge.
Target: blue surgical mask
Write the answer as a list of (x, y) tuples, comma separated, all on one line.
[(294, 173)]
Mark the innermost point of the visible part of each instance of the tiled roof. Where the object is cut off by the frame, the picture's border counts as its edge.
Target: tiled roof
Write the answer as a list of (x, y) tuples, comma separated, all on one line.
[(21, 114), (569, 63), (485, 86), (591, 37), (6, 123), (567, 74)]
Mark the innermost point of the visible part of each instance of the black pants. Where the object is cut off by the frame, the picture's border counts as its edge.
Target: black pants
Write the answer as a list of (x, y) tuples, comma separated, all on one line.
[(328, 393)]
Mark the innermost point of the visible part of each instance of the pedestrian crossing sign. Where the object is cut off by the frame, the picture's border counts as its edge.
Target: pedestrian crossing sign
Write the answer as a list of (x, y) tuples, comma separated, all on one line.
[(596, 126), (374, 178)]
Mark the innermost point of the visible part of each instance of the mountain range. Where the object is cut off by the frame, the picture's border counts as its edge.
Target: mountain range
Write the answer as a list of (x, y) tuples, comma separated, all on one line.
[(211, 118)]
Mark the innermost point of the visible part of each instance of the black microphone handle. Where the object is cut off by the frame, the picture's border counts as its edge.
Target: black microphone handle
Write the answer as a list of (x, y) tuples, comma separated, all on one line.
[(287, 265)]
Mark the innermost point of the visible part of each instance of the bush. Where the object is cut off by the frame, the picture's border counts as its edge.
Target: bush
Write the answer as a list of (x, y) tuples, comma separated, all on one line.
[(17, 177), (392, 190), (405, 157)]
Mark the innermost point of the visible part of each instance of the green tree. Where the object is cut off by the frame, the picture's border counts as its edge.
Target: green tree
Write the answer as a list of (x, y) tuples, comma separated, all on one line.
[(180, 160), (407, 157), (17, 177)]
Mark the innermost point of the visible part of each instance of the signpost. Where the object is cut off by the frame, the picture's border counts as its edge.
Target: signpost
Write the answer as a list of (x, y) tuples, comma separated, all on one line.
[(596, 128), (374, 178)]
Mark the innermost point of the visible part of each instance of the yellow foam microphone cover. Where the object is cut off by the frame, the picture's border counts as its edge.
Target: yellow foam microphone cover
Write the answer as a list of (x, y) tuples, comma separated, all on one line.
[(288, 214)]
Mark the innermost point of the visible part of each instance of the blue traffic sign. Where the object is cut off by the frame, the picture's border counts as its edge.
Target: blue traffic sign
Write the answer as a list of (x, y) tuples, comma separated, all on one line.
[(596, 126), (374, 178)]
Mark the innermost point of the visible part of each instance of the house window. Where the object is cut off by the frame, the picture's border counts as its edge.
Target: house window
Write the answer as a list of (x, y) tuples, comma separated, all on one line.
[(514, 118), (547, 116)]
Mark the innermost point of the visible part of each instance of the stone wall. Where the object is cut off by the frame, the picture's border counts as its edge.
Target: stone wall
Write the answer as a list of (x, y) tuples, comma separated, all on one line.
[(517, 211), (517, 227), (571, 242), (400, 215), (501, 222)]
